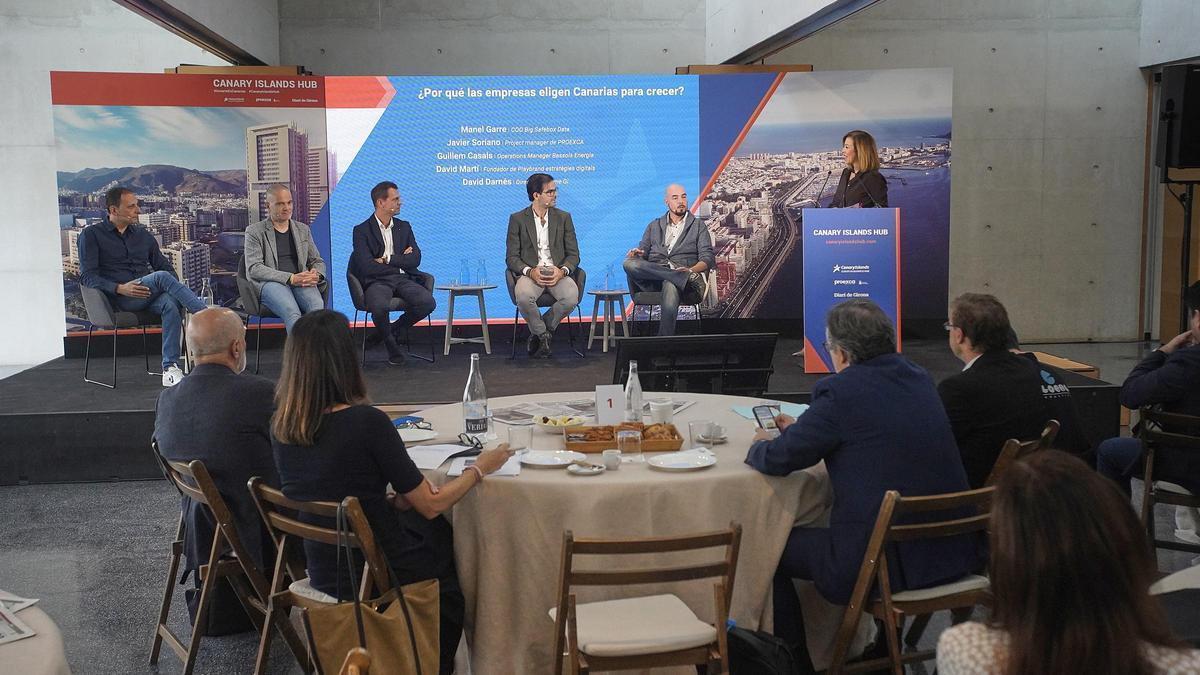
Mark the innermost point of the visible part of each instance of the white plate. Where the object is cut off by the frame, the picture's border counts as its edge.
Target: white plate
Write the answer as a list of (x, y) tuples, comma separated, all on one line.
[(570, 421), (550, 458), (417, 435), (689, 460), (577, 470)]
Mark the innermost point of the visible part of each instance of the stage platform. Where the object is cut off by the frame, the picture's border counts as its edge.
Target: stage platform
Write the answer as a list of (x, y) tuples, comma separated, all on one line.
[(54, 427)]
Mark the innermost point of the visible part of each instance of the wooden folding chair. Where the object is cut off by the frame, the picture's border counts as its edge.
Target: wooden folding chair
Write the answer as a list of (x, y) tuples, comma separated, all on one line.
[(891, 608), (1014, 449), (227, 559), (358, 662), (280, 515), (643, 632), (1183, 437)]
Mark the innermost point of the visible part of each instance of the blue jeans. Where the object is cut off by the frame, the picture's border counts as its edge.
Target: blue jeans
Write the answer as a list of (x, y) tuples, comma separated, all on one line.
[(290, 302), (1119, 459), (648, 276), (167, 297)]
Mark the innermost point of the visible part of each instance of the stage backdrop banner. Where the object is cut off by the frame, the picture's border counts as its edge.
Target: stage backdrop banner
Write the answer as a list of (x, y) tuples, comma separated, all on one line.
[(751, 150), (849, 254)]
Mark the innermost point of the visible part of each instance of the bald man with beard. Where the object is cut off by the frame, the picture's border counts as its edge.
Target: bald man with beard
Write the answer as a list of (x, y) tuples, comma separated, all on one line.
[(222, 418), (674, 254)]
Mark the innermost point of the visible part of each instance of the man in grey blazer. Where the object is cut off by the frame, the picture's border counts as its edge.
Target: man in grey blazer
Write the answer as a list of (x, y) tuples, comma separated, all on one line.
[(543, 252), (674, 254), (282, 262)]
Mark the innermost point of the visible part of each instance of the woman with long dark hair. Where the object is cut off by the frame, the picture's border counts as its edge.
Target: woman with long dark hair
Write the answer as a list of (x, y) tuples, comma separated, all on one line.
[(330, 443), (861, 184), (1071, 571)]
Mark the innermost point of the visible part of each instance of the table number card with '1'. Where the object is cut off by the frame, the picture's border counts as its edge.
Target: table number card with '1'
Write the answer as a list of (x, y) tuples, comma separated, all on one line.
[(610, 404)]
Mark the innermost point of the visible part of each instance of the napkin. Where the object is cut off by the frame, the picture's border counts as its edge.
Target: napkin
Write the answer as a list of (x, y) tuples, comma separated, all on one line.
[(510, 468), (793, 409)]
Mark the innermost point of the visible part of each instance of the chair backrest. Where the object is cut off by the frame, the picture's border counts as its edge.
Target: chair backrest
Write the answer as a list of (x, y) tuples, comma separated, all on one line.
[(725, 567), (1176, 430), (246, 292), (279, 513), (356, 290), (98, 307), (193, 481), (1013, 450)]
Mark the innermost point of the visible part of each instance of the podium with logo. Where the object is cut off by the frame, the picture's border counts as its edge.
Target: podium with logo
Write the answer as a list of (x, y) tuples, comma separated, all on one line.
[(848, 254)]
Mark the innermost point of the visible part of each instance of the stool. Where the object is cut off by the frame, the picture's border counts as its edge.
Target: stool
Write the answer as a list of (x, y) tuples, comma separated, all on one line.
[(477, 290), (611, 299)]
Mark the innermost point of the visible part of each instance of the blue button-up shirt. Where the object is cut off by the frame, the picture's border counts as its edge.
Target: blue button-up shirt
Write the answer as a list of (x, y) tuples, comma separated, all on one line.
[(107, 259)]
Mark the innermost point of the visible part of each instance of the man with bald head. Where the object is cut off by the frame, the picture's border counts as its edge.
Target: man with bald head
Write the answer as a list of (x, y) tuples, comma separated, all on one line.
[(283, 264), (222, 418), (674, 254)]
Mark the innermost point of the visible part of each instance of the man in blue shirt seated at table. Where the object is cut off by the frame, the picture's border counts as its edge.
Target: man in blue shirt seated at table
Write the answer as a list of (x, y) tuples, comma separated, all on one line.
[(879, 425), (124, 260)]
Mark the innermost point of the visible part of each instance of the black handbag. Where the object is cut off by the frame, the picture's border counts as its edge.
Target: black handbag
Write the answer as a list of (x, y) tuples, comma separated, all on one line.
[(756, 652), (226, 615)]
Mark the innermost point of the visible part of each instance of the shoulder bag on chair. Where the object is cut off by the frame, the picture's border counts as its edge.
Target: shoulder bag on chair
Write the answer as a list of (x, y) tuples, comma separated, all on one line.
[(402, 638)]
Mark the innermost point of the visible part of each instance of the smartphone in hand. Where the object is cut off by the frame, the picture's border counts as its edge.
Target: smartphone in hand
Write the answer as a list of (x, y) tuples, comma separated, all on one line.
[(765, 416)]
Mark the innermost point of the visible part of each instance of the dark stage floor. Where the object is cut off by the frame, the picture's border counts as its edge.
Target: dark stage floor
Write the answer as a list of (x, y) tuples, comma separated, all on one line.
[(58, 387)]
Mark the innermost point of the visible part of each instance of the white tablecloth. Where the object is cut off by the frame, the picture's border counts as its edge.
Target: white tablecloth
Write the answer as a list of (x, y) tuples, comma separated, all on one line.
[(508, 531), (41, 654)]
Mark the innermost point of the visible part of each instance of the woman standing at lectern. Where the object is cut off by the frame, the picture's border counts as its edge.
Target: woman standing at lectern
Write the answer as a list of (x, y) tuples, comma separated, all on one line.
[(861, 184)]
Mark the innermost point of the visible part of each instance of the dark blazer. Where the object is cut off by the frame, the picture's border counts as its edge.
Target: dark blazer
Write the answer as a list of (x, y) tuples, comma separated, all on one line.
[(369, 245), (868, 189), (999, 397), (222, 419), (1071, 435), (1173, 383), (521, 249), (879, 426), (691, 246)]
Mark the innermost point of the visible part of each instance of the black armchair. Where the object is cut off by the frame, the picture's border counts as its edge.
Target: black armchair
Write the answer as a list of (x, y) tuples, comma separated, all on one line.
[(358, 297), (579, 276), (102, 315)]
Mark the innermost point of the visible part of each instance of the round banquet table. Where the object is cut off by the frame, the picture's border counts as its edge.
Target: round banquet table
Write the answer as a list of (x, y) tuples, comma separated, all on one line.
[(42, 654), (508, 532)]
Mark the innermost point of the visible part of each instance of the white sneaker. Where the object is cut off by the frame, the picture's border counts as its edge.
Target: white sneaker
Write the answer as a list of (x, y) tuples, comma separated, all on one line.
[(1185, 525), (172, 376)]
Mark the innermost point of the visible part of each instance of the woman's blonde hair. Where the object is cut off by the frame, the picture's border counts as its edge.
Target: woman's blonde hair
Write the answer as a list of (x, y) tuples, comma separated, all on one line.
[(320, 370), (866, 157)]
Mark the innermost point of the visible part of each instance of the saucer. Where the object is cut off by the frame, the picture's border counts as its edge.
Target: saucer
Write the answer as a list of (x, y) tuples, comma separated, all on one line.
[(577, 470)]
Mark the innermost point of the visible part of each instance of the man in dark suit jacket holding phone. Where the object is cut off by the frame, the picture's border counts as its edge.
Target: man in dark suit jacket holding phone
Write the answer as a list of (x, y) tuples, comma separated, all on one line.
[(385, 260), (998, 394), (542, 251), (878, 426)]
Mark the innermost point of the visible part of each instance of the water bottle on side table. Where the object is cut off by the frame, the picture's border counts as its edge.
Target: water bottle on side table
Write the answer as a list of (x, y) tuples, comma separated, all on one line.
[(475, 407), (633, 395), (206, 293)]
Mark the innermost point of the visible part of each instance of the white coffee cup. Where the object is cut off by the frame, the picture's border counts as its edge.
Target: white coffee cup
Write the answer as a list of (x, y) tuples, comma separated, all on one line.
[(662, 410), (612, 459)]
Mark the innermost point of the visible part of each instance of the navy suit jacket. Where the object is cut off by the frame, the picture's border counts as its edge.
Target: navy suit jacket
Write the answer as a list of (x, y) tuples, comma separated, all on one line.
[(1171, 381), (879, 426), (224, 420), (369, 245)]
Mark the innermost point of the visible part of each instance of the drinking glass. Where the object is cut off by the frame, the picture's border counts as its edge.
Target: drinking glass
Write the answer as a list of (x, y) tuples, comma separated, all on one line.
[(701, 433), (520, 437), (629, 442), (481, 272)]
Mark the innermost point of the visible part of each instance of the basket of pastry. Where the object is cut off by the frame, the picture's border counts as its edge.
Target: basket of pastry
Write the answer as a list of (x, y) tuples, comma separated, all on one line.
[(655, 437)]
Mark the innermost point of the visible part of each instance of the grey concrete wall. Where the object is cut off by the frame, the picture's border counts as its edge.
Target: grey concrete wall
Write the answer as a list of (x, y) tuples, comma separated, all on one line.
[(736, 25), (252, 25), (1170, 31), (466, 37), (35, 38), (1049, 132)]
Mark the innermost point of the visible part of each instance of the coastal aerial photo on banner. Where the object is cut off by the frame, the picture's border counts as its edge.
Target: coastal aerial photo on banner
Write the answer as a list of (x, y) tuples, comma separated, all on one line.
[(791, 159), (199, 160)]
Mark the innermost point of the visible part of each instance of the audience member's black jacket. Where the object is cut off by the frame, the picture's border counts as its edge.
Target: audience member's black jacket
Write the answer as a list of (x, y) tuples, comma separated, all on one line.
[(1071, 435), (999, 397), (1173, 383), (222, 419)]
